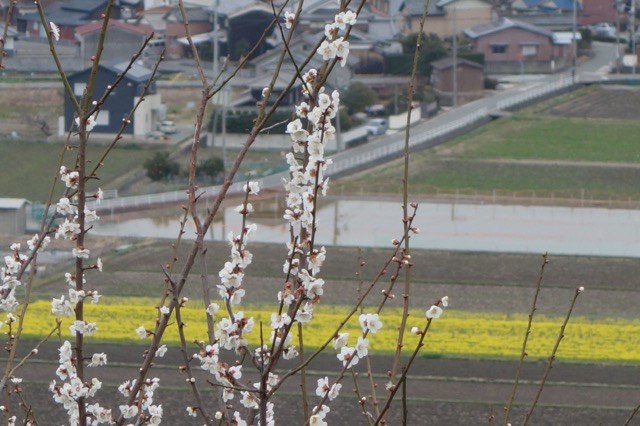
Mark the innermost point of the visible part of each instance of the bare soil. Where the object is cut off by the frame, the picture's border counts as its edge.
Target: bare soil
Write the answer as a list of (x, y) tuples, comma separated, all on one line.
[(615, 102), (441, 391)]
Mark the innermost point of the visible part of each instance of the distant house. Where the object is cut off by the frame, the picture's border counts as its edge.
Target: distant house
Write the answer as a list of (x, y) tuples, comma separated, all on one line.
[(511, 46), (469, 83), (13, 215), (121, 42), (594, 11), (9, 43), (548, 14), (121, 100), (445, 17), (199, 24), (67, 15)]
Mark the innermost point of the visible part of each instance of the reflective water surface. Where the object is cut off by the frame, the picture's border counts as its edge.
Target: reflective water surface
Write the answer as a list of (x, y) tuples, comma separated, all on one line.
[(443, 226)]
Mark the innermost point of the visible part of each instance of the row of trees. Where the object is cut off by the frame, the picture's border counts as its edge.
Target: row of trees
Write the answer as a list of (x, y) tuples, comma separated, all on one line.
[(162, 167)]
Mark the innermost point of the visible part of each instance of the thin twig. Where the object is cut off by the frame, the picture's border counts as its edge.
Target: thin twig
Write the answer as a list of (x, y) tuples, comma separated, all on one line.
[(552, 357), (523, 352)]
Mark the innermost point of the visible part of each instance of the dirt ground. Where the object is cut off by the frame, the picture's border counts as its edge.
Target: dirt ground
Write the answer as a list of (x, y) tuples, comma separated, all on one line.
[(616, 102), (442, 391)]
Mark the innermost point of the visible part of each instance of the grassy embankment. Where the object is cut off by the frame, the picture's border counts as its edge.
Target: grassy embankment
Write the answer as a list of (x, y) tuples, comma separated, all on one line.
[(532, 153), (455, 334)]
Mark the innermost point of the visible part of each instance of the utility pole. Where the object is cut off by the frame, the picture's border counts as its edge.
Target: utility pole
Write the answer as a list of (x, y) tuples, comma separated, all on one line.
[(617, 6), (574, 43), (455, 58), (633, 35)]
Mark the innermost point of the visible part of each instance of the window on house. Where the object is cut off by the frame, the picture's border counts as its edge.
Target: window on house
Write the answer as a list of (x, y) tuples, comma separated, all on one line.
[(499, 48), (103, 118), (78, 88), (529, 49)]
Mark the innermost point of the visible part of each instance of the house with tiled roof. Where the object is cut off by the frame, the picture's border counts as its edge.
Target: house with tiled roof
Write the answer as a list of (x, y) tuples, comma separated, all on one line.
[(512, 46), (445, 17), (67, 15), (121, 42), (550, 14)]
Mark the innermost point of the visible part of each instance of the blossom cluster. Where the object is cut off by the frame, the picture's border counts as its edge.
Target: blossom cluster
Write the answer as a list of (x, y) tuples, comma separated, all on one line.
[(334, 46), (73, 388), (143, 408), (229, 330), (13, 264)]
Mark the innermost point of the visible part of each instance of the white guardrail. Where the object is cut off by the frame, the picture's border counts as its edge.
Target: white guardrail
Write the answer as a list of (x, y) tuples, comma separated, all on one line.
[(341, 165)]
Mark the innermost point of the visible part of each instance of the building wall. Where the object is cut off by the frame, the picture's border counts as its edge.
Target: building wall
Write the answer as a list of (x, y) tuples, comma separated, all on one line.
[(470, 79), (595, 11), (514, 39), (13, 221), (470, 84), (147, 116), (175, 30), (465, 16), (119, 45), (116, 107)]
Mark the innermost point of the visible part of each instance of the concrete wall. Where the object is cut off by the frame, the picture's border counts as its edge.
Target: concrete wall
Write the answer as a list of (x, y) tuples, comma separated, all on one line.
[(13, 221)]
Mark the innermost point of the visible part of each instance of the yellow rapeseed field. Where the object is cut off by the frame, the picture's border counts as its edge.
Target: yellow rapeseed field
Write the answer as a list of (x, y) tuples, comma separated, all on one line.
[(455, 334)]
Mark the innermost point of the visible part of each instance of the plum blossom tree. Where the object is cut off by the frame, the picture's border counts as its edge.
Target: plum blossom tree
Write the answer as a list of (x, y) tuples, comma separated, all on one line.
[(224, 353)]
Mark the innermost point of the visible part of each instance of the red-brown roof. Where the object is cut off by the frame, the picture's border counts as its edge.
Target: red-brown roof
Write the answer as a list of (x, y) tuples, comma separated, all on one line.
[(97, 26)]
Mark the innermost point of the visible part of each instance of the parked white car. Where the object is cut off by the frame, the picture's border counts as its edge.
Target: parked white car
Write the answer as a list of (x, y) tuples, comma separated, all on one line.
[(605, 29), (377, 126), (168, 127)]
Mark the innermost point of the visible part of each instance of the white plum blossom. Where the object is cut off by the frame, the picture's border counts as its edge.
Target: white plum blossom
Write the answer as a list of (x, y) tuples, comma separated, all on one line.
[(62, 307), (362, 347), (327, 49), (434, 312), (348, 356), (289, 19), (141, 332), (129, 411), (155, 411), (279, 321), (213, 309), (319, 414), (445, 301), (90, 216), (70, 178), (323, 389), (91, 122), (340, 340), (98, 360), (65, 207), (68, 229), (33, 242), (370, 323), (252, 188), (162, 350), (55, 31), (80, 252)]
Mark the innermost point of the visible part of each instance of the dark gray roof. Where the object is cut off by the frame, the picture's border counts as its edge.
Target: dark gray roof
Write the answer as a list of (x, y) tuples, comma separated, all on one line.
[(137, 72), (502, 24), (416, 8), (194, 14), (85, 6), (445, 63)]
